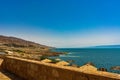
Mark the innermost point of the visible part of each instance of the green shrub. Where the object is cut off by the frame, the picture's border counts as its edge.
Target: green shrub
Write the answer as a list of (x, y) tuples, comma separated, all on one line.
[(43, 57)]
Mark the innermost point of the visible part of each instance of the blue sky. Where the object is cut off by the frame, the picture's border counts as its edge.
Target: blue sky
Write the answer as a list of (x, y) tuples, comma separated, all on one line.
[(62, 23)]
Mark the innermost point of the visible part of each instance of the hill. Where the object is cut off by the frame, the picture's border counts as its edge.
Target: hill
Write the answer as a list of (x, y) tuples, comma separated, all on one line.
[(17, 45), (17, 42)]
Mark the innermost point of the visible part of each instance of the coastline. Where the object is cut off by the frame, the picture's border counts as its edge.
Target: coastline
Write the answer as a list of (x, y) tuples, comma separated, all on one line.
[(101, 57)]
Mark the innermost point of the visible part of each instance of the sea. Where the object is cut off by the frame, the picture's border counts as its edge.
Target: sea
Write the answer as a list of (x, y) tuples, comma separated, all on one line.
[(100, 57)]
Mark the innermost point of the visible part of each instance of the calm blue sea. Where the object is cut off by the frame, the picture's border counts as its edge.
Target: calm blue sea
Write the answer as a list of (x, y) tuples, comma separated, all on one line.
[(101, 57)]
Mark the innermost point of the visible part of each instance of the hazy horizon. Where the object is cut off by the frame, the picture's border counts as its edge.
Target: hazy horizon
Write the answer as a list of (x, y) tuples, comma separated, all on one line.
[(64, 23)]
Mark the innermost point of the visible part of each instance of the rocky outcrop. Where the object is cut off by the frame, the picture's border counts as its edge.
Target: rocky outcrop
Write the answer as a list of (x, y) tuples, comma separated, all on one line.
[(46, 61), (115, 68), (62, 63), (102, 69), (88, 68)]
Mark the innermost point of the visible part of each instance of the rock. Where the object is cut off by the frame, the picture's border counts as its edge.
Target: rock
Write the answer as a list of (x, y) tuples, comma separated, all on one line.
[(115, 68), (102, 69), (46, 61), (62, 63), (74, 65), (90, 63), (88, 68), (58, 59), (9, 52), (70, 61)]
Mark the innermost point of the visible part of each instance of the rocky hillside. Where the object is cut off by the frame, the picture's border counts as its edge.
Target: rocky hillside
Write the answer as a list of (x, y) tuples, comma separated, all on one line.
[(18, 45), (17, 42)]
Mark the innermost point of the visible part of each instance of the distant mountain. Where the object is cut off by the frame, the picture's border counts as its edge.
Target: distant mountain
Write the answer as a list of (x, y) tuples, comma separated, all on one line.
[(108, 46)]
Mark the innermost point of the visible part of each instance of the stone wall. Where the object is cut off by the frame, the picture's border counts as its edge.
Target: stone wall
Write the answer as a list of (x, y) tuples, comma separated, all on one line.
[(35, 70)]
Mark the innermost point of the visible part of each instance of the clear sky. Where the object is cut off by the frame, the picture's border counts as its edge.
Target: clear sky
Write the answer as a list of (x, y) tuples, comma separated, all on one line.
[(62, 23)]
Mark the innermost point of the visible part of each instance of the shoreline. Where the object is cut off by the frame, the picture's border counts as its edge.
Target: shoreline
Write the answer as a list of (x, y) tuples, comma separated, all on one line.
[(82, 56)]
